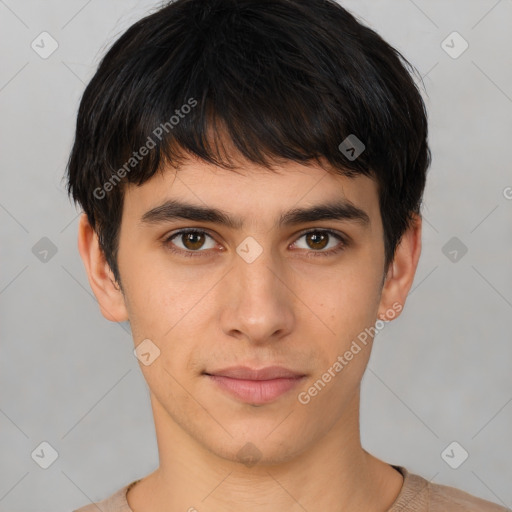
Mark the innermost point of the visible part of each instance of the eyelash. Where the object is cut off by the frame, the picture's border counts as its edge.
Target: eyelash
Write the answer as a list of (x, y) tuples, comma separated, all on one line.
[(312, 253)]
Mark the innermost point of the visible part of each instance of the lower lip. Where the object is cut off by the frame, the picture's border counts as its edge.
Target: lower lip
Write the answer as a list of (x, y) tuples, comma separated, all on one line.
[(256, 391)]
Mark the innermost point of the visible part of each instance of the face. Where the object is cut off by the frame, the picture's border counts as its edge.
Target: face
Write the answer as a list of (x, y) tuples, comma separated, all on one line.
[(272, 287)]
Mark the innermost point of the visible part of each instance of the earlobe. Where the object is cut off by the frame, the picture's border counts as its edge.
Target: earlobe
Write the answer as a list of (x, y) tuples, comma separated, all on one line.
[(101, 278), (401, 272)]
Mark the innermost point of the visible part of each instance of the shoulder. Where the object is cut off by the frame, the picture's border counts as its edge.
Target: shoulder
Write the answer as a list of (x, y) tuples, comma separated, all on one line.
[(114, 503), (443, 496), (421, 495)]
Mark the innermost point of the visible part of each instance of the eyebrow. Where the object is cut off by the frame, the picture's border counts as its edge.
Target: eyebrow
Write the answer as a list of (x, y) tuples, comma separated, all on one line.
[(173, 209)]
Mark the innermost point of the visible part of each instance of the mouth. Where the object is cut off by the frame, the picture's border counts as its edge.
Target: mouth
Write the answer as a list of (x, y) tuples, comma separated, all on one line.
[(256, 386)]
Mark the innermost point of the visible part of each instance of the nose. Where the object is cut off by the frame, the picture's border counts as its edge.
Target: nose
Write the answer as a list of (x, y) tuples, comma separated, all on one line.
[(259, 304)]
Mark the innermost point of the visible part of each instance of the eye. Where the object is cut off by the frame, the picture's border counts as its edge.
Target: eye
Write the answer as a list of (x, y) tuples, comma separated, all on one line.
[(319, 239), (191, 240), (194, 242)]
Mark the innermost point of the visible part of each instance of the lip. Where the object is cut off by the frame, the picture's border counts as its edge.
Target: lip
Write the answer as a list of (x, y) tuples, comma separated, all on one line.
[(256, 386), (247, 373)]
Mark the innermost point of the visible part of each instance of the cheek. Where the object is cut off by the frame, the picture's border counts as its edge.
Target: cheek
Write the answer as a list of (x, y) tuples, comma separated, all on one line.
[(350, 309), (160, 296), (173, 309), (351, 300)]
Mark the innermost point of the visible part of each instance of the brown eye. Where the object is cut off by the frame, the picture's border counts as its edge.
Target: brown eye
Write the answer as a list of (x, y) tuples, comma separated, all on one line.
[(317, 240), (190, 241)]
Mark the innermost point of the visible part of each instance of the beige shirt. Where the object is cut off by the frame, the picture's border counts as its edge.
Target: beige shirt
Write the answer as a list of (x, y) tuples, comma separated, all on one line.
[(416, 495)]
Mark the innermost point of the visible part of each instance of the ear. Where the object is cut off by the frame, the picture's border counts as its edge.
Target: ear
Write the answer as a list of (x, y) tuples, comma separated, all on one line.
[(101, 278), (401, 271)]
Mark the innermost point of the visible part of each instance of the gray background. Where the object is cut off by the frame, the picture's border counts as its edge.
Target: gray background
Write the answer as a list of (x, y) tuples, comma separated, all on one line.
[(439, 373)]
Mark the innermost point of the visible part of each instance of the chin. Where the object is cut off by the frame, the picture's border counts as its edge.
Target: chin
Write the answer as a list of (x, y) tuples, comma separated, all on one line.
[(257, 449)]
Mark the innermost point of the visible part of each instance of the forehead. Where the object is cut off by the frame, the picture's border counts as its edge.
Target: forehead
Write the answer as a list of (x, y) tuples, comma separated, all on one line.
[(251, 193)]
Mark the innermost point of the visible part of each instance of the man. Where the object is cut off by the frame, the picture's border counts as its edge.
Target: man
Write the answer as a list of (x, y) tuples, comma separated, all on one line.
[(251, 174)]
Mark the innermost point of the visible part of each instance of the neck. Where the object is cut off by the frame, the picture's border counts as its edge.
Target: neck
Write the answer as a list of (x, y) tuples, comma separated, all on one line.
[(334, 474)]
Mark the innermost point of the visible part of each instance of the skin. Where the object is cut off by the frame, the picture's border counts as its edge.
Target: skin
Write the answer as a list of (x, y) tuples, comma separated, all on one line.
[(210, 312)]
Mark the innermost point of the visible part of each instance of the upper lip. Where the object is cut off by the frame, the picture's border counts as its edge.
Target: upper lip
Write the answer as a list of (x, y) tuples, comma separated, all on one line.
[(247, 373)]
